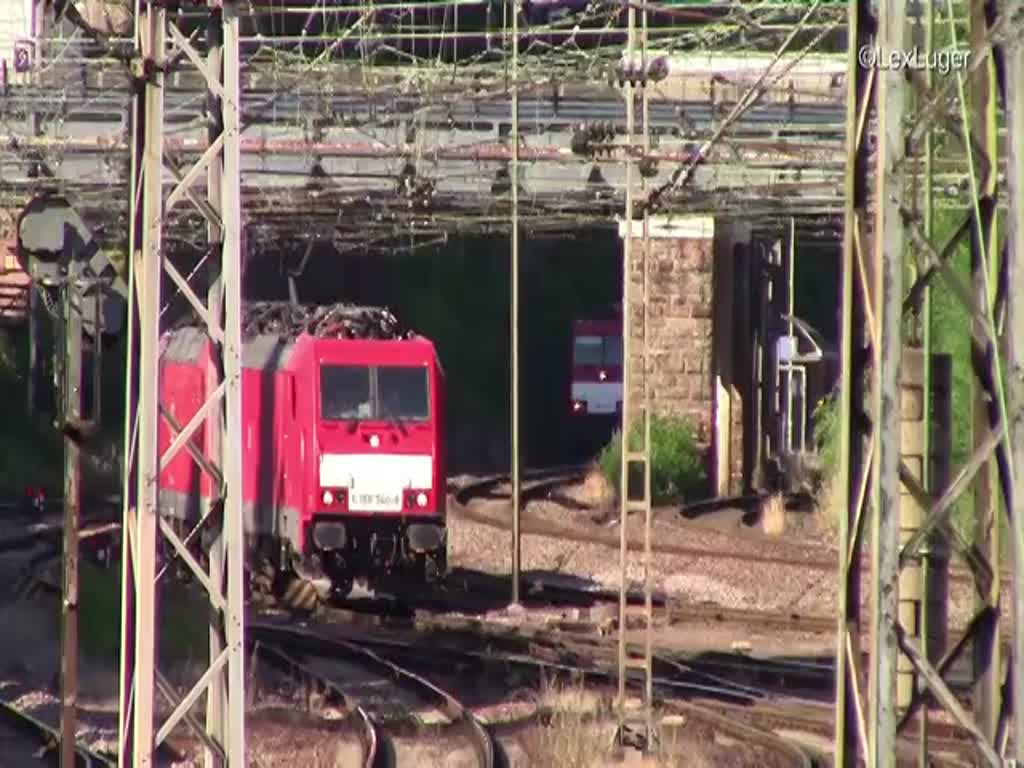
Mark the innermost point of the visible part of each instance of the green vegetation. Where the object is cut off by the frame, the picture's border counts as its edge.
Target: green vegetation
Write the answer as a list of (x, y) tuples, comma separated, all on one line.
[(949, 335), (677, 462), (949, 324), (458, 296), (30, 448), (826, 433), (183, 627)]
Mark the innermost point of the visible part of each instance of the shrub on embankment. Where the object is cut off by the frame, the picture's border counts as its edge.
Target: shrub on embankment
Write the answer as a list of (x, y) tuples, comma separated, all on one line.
[(677, 460)]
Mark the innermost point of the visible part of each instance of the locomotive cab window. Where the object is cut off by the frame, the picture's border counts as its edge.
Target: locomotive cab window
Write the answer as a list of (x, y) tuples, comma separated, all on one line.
[(345, 392), (392, 393), (588, 350), (598, 350), (613, 350), (402, 393)]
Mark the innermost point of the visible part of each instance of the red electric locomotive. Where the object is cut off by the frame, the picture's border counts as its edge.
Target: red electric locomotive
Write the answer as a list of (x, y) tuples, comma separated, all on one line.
[(343, 451)]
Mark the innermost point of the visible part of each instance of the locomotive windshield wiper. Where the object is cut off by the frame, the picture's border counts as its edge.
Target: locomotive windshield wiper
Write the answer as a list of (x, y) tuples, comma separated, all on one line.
[(398, 422)]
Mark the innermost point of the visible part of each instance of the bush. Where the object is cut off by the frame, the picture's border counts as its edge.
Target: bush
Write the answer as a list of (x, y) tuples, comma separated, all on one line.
[(826, 433), (677, 462)]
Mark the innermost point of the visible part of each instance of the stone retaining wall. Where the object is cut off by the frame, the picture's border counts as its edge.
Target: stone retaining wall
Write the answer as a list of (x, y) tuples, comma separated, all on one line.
[(692, 373), (680, 338)]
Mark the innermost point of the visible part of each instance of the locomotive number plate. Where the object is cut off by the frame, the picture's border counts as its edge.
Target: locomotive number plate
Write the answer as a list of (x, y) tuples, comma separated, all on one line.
[(376, 502)]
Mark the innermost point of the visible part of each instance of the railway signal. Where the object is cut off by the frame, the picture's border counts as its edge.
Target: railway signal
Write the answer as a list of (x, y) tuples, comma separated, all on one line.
[(84, 293), (54, 246)]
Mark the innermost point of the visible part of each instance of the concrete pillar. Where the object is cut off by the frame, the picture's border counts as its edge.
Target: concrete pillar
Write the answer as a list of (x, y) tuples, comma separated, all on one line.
[(730, 343), (680, 260), (764, 390)]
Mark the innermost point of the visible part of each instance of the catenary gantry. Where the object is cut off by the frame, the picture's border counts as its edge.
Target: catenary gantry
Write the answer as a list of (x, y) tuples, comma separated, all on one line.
[(361, 170)]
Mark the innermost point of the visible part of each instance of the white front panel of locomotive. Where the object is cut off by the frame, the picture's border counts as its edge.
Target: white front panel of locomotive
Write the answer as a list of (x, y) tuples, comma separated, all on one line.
[(600, 397), (375, 482)]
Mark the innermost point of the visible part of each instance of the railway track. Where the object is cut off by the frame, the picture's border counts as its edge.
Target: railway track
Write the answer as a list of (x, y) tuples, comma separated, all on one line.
[(469, 598), (29, 728), (760, 693), (539, 484), (572, 645), (371, 739), (50, 529), (536, 483), (320, 658), (667, 610), (392, 657), (741, 732), (948, 744), (576, 648)]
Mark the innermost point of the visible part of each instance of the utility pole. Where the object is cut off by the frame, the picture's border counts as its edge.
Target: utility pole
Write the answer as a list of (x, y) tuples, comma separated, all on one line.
[(81, 317), (71, 417), (36, 312), (1014, 60), (59, 252), (987, 650), (514, 168)]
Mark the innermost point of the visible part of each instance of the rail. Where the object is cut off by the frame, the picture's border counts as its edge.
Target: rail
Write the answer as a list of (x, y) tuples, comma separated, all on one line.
[(797, 555), (318, 645), (744, 733), (50, 737), (537, 482), (369, 734), (673, 679)]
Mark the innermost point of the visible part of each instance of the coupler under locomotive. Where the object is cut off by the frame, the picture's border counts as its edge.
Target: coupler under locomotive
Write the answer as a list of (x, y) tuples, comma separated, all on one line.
[(399, 556)]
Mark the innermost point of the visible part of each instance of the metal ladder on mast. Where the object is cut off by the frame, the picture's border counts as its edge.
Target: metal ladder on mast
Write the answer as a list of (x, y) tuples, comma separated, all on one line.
[(635, 728)]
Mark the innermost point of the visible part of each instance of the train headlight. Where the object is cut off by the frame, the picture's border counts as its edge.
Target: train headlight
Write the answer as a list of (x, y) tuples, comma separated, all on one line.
[(421, 499), (328, 497), (374, 441), (602, 376)]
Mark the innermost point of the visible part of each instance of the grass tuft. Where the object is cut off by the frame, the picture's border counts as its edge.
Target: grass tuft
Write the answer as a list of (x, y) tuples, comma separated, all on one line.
[(773, 515), (569, 737)]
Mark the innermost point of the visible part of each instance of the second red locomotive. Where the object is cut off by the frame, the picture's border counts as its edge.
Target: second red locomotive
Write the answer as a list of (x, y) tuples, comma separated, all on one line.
[(596, 379), (343, 449)]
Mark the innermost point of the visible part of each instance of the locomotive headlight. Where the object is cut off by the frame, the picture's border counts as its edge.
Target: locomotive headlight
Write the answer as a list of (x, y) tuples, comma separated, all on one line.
[(421, 499), (374, 441), (328, 497), (602, 376)]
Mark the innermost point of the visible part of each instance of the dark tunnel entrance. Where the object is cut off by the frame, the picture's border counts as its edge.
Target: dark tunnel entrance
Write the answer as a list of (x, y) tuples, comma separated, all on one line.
[(458, 295)]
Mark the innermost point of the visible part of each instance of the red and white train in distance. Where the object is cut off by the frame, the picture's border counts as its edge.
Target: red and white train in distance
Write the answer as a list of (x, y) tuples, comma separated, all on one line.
[(343, 454), (597, 365)]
